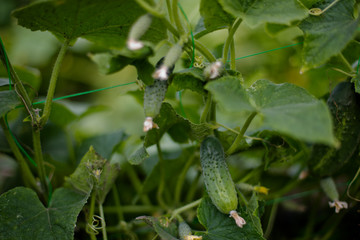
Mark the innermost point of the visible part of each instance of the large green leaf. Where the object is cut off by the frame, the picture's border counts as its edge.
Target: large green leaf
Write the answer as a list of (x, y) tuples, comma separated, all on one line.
[(214, 16), (285, 108), (256, 12), (106, 22), (23, 216), (328, 34), (9, 100), (220, 227)]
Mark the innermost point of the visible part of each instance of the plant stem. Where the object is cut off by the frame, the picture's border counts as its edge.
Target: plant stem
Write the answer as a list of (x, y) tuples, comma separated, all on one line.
[(192, 189), (162, 178), (345, 61), (40, 161), (103, 223), (181, 179), (137, 184), (175, 14), (28, 177), (207, 108), (204, 51), (185, 208), (330, 5), (150, 9), (238, 138), (20, 89), (229, 39), (232, 56), (117, 203), (343, 72), (271, 221), (91, 214), (52, 85), (168, 5)]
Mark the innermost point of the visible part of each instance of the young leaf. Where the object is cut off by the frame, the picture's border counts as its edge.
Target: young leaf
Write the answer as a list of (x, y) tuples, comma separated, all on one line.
[(191, 79), (107, 179), (105, 22), (220, 227), (285, 108), (9, 100), (162, 226), (327, 35), (256, 12), (214, 16), (83, 178)]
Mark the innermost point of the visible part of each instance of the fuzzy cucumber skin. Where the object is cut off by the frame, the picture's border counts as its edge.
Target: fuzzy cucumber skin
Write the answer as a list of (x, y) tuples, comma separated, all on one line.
[(154, 95), (217, 178), (344, 105), (184, 230)]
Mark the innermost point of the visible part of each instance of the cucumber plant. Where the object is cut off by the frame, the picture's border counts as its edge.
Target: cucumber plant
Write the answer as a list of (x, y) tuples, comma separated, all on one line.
[(225, 136)]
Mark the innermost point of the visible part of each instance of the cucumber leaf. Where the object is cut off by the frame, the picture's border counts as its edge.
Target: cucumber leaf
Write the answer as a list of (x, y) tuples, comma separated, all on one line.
[(166, 230), (328, 34), (285, 108), (105, 22), (256, 12), (214, 16), (9, 100), (356, 81), (23, 216), (191, 79), (220, 227)]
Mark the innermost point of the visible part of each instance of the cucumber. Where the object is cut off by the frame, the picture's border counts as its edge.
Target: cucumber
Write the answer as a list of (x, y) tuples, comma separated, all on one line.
[(154, 95), (184, 230), (344, 105), (138, 29), (217, 178)]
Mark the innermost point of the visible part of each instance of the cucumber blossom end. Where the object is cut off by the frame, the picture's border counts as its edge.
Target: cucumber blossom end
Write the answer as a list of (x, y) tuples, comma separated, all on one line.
[(214, 70), (149, 124), (239, 220)]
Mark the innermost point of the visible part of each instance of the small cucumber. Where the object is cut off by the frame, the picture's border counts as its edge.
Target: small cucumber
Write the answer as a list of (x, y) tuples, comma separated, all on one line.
[(217, 178), (344, 105), (138, 29), (154, 95), (184, 230)]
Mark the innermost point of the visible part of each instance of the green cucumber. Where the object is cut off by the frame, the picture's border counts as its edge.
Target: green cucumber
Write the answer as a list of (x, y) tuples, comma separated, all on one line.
[(217, 178), (344, 105), (184, 230), (138, 29), (154, 95), (141, 25)]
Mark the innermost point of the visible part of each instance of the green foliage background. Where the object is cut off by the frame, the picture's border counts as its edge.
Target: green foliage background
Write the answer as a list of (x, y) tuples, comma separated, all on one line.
[(111, 121)]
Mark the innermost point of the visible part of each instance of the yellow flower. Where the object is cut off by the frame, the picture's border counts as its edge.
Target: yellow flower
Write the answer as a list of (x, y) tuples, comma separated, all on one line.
[(261, 189)]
